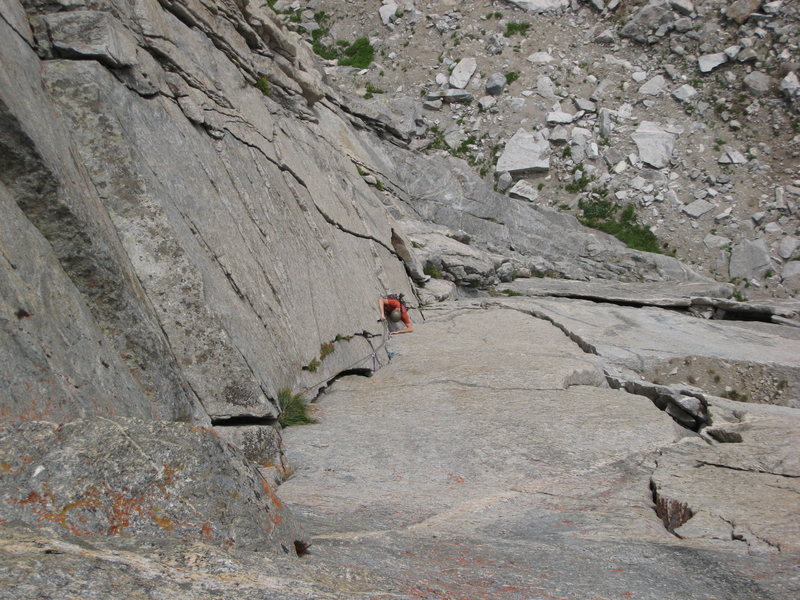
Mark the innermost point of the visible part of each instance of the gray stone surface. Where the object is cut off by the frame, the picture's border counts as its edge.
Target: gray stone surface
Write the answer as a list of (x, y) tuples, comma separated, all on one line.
[(442, 494), (523, 189), (758, 83), (449, 193), (644, 337), (698, 208), (525, 152), (646, 21), (788, 246), (790, 274), (495, 84), (463, 72), (684, 93), (750, 259), (709, 62), (723, 486), (195, 240), (740, 10), (541, 5), (643, 294), (654, 143), (654, 86), (89, 34), (132, 478)]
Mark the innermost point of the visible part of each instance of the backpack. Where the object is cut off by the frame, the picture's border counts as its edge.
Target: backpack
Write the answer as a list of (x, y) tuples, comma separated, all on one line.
[(400, 298)]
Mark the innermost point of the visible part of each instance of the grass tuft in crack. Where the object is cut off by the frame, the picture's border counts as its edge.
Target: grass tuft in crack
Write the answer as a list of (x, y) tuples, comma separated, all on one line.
[(294, 410)]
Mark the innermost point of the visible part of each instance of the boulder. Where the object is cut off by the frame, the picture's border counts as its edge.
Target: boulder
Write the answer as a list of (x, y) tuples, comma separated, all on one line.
[(709, 62), (646, 21), (685, 7), (732, 157), (758, 83), (436, 290), (654, 143), (523, 189), (684, 93), (788, 246), (541, 5), (462, 73), (698, 208), (560, 117), (540, 58), (462, 264), (750, 260), (654, 87), (456, 95), (495, 84), (790, 84), (715, 241), (790, 275), (387, 13), (525, 152), (740, 10)]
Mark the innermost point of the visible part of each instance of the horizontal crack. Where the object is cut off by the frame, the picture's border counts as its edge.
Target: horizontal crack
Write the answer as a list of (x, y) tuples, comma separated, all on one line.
[(731, 467), (478, 386), (244, 421)]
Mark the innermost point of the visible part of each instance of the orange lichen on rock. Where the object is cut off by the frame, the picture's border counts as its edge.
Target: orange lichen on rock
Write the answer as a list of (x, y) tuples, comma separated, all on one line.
[(271, 494)]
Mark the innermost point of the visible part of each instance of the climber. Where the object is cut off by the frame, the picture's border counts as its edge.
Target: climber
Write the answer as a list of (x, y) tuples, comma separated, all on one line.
[(393, 307)]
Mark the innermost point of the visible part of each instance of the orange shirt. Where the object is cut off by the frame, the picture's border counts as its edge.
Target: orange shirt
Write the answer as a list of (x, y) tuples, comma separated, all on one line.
[(391, 304)]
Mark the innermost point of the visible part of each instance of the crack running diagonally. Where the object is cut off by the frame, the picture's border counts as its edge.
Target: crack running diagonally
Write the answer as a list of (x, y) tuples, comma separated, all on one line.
[(732, 468)]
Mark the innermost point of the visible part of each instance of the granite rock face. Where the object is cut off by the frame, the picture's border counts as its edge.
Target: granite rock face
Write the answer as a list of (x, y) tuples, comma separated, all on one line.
[(129, 477), (176, 206), (193, 221), (178, 243)]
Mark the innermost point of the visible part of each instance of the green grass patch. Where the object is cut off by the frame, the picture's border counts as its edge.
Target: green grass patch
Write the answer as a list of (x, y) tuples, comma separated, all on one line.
[(579, 185), (431, 270), (602, 214), (294, 410), (514, 28), (372, 90), (359, 54), (262, 83), (511, 77)]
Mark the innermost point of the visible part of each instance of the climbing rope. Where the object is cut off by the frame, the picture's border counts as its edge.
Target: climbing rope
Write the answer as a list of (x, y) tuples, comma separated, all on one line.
[(373, 354)]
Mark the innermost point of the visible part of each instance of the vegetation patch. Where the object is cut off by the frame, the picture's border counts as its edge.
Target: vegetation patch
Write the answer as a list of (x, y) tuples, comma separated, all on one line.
[(739, 296), (431, 270), (262, 83), (359, 54), (734, 395), (511, 77), (294, 410), (515, 28), (601, 214), (325, 350), (372, 90), (312, 366)]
